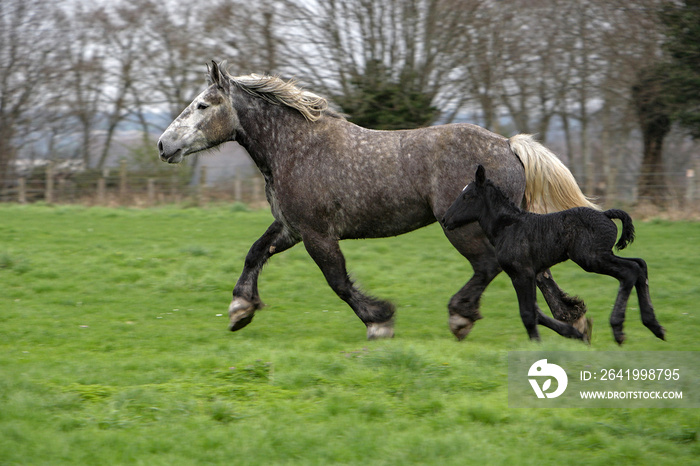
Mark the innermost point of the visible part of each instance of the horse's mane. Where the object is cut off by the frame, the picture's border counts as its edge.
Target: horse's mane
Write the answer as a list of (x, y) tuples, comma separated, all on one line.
[(277, 91)]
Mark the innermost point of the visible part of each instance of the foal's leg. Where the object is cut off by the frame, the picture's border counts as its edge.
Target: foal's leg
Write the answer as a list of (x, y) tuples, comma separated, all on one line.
[(464, 306), (645, 307), (245, 295), (524, 285), (527, 300), (627, 272), (376, 314), (562, 328), (566, 308)]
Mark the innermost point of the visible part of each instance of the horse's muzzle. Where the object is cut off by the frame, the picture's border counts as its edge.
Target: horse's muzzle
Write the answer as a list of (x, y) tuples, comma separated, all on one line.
[(446, 224), (168, 155)]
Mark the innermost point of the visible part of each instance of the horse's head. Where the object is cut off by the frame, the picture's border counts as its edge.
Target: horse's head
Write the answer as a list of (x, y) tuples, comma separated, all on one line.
[(469, 204), (207, 122)]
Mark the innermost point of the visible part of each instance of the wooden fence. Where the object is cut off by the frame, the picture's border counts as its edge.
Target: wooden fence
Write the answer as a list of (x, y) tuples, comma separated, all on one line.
[(125, 188), (122, 187)]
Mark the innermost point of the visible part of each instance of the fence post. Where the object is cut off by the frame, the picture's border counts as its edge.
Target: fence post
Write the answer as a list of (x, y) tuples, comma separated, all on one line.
[(101, 185), (48, 195), (689, 186), (151, 191), (173, 189), (258, 189), (237, 189), (61, 192), (122, 181), (201, 188), (22, 187)]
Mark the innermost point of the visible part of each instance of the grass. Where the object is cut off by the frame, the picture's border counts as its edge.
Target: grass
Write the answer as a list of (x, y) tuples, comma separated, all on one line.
[(114, 350)]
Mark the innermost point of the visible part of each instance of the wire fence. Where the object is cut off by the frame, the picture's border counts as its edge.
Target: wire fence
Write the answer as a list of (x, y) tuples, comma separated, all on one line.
[(142, 189)]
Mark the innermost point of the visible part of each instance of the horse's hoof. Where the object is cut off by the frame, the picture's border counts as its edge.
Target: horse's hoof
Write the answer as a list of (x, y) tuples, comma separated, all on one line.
[(460, 326), (585, 326), (619, 337), (660, 333), (376, 331), (655, 327), (240, 313)]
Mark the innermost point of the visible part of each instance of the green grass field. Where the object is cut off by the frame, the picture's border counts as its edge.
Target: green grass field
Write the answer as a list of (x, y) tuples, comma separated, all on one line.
[(114, 350)]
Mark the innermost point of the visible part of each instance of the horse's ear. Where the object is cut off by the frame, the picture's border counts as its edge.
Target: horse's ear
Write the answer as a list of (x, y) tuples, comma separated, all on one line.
[(215, 75), (480, 176), (212, 73)]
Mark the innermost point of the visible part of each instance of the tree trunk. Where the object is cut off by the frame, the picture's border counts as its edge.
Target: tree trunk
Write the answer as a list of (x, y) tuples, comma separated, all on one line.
[(651, 186), (7, 155), (655, 123)]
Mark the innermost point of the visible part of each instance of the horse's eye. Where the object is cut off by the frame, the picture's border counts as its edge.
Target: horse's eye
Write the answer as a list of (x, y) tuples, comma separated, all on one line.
[(202, 106)]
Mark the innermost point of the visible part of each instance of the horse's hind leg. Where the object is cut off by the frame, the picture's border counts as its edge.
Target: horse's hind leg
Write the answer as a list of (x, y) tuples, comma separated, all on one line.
[(645, 307), (565, 308), (562, 328), (376, 314), (464, 306), (627, 272), (245, 295)]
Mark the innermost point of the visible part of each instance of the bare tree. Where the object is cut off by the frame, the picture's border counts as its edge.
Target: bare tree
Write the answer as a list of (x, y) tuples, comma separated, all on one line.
[(534, 74), (417, 43), (248, 34), (83, 66), (576, 61), (27, 47), (179, 46), (126, 48)]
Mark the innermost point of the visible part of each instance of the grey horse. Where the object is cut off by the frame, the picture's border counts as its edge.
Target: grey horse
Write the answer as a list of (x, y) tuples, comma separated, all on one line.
[(327, 179)]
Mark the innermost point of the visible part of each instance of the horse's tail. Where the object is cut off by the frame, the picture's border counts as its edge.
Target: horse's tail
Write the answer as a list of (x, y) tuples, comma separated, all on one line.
[(627, 235), (549, 185)]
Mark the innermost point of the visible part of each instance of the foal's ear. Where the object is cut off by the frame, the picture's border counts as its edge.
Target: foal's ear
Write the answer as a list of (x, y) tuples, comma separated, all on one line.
[(480, 176)]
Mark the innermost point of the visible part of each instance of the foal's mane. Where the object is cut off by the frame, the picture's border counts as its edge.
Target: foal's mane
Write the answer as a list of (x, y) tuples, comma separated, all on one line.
[(277, 91), (501, 196)]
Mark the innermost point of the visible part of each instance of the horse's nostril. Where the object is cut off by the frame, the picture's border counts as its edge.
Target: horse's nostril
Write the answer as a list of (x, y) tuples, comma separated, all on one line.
[(160, 147)]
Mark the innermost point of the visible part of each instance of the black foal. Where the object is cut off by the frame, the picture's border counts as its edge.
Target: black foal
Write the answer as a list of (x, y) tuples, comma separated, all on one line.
[(527, 244)]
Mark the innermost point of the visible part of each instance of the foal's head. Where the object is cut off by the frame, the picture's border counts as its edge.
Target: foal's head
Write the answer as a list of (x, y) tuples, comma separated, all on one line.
[(207, 122), (469, 205)]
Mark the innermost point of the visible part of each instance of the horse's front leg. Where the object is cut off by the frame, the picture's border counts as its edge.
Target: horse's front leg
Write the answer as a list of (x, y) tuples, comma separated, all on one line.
[(464, 305), (246, 300), (565, 308), (376, 314), (527, 301)]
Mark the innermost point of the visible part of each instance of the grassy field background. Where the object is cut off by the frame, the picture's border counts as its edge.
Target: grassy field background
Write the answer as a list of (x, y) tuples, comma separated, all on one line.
[(114, 350)]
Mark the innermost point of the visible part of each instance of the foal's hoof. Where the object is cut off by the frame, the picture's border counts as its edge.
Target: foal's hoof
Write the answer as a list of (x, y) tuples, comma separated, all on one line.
[(460, 326), (585, 326), (661, 334), (376, 331), (657, 330), (619, 337), (240, 313)]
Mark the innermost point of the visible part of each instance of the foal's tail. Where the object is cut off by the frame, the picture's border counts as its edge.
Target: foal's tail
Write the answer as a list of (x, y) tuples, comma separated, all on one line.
[(627, 235), (549, 185)]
